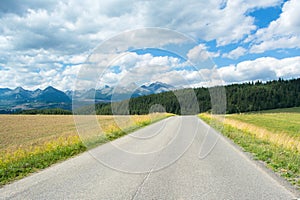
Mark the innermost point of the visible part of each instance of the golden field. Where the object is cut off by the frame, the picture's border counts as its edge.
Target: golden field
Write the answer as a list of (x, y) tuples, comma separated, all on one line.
[(27, 135), (23, 131)]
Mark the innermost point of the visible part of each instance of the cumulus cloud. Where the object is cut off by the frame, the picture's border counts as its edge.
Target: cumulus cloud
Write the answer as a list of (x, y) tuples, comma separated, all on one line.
[(41, 42), (235, 53), (281, 33), (200, 58), (208, 20), (198, 53), (38, 69), (139, 69), (265, 68), (72, 23)]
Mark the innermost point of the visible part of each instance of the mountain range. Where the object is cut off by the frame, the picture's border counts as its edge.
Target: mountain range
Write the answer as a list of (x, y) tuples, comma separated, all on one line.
[(50, 97)]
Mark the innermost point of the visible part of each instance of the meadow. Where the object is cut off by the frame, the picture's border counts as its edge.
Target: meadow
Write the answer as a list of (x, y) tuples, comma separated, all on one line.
[(271, 136), (33, 142), (280, 128)]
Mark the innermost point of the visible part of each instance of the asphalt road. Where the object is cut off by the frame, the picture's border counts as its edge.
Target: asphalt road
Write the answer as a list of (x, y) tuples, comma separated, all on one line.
[(176, 158)]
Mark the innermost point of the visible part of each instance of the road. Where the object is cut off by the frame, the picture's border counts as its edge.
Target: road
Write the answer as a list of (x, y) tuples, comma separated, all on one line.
[(176, 158)]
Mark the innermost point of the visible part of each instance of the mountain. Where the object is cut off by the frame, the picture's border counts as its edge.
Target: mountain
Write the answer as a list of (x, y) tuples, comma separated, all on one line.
[(18, 94), (21, 99), (159, 87), (52, 95), (107, 93)]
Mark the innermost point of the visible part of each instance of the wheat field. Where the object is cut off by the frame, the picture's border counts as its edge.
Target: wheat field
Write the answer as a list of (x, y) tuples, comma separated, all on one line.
[(27, 131), (23, 136)]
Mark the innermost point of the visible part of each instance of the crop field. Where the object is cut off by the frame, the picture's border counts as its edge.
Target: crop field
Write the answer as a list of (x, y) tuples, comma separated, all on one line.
[(27, 131), (272, 136), (32, 142)]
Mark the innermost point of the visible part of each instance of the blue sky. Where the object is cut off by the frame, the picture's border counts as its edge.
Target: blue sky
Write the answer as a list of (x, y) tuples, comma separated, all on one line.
[(46, 42)]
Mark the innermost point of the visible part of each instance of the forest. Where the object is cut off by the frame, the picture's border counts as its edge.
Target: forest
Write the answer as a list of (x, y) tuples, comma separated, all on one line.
[(246, 97), (50, 111)]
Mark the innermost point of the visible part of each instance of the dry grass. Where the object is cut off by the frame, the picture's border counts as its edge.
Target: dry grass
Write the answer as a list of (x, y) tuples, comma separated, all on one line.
[(33, 142), (26, 131), (90, 126), (23, 135)]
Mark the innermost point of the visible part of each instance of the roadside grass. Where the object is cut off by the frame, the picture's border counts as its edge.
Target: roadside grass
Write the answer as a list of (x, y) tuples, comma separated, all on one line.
[(278, 150), (33, 142), (282, 130)]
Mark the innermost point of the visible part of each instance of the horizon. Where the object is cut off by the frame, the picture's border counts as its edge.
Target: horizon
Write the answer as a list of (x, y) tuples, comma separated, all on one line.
[(239, 83)]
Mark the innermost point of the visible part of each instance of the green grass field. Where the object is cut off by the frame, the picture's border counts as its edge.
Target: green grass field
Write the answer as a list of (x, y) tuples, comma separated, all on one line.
[(275, 122), (282, 110), (272, 136)]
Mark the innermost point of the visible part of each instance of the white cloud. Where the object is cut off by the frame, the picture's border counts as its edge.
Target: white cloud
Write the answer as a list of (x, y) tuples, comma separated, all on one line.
[(235, 53), (68, 24), (38, 69), (198, 53), (139, 68), (281, 33), (144, 69), (42, 41), (205, 19), (276, 43), (200, 57), (265, 68)]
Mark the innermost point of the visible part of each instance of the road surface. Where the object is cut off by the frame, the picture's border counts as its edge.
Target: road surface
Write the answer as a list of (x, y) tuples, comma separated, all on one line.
[(176, 158)]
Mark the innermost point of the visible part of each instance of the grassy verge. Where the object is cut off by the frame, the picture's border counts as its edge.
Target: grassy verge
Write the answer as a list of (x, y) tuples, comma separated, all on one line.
[(17, 161), (282, 159), (114, 131), (16, 165)]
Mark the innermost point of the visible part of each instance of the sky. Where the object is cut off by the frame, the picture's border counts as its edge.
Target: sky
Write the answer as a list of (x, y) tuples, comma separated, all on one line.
[(48, 43)]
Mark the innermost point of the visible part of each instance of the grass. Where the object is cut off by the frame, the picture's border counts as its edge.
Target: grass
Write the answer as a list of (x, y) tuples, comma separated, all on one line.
[(282, 110), (268, 137), (281, 129), (33, 142), (288, 123)]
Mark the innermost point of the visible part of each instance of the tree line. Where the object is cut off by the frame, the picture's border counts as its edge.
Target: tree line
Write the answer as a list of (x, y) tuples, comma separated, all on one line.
[(246, 97), (50, 111)]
